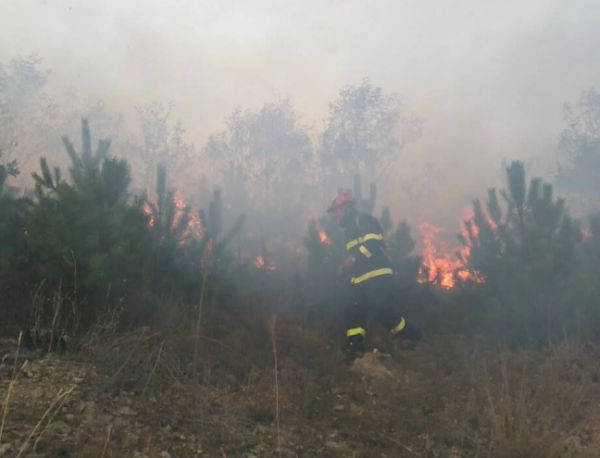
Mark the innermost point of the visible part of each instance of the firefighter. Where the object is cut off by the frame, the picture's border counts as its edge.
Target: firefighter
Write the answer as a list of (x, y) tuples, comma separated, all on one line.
[(370, 273)]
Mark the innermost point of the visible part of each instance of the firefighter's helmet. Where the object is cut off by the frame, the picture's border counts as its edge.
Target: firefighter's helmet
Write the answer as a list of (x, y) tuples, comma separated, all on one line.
[(344, 198)]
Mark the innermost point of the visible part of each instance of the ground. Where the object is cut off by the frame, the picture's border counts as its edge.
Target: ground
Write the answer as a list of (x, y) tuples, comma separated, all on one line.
[(140, 394)]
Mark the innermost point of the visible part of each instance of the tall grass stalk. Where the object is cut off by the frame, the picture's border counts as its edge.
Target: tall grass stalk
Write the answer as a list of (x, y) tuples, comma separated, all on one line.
[(204, 269), (274, 345), (11, 386), (107, 442), (54, 407)]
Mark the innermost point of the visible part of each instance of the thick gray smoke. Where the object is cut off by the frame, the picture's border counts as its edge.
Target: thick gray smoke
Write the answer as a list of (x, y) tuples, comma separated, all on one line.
[(488, 80)]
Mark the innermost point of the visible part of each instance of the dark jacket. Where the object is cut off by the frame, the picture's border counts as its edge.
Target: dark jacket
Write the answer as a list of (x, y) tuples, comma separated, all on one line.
[(364, 242)]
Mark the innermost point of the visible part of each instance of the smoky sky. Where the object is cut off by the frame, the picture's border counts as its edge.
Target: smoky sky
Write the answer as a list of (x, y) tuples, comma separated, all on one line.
[(487, 78)]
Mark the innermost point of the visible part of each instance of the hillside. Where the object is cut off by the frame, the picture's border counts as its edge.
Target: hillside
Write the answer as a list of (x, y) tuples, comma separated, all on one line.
[(138, 394)]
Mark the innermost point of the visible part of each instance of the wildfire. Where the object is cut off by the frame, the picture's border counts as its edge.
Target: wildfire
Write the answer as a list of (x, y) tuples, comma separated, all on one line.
[(260, 263), (443, 264), (324, 238), (179, 204), (147, 210), (194, 227)]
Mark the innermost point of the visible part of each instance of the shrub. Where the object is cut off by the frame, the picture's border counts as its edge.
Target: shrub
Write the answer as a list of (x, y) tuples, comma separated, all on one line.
[(528, 251)]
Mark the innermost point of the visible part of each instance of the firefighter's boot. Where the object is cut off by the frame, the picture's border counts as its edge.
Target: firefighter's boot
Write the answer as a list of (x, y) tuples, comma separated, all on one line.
[(354, 347), (405, 336), (407, 331)]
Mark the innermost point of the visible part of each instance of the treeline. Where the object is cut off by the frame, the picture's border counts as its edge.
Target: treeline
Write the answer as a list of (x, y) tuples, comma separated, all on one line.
[(540, 265), (273, 167), (82, 245)]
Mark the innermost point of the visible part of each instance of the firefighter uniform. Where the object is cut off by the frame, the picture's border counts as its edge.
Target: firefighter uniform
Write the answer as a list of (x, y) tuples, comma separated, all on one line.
[(371, 282), (370, 276)]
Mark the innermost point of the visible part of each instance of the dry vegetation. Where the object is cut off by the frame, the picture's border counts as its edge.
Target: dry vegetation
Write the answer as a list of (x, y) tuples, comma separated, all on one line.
[(134, 394)]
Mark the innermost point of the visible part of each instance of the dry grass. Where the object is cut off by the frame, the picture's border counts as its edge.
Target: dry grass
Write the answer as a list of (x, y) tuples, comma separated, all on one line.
[(523, 403), (46, 419), (107, 442), (48, 416), (205, 269), (448, 397), (11, 386), (276, 371)]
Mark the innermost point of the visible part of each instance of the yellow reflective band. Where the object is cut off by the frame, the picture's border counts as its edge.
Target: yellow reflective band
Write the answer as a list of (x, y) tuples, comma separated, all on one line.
[(356, 332), (365, 251), (399, 327), (352, 243), (372, 274)]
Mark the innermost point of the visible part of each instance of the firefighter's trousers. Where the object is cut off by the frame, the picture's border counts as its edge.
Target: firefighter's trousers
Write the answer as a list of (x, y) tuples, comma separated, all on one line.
[(374, 298)]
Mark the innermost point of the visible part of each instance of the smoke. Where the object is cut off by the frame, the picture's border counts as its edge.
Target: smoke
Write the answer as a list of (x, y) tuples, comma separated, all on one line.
[(488, 80)]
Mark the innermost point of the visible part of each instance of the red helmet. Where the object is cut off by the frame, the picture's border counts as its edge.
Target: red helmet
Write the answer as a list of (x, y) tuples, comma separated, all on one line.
[(342, 199)]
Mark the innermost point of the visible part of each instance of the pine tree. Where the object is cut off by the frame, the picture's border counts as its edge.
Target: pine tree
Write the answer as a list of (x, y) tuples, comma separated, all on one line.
[(85, 238), (401, 249), (527, 254), (7, 169), (178, 253), (221, 270), (14, 272)]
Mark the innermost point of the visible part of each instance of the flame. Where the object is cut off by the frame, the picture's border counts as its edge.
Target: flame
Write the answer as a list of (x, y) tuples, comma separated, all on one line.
[(442, 263), (438, 267), (194, 227), (490, 221), (179, 204), (147, 210), (260, 263), (324, 238)]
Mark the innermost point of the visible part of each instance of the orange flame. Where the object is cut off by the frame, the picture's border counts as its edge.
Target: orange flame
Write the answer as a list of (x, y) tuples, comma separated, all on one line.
[(179, 204), (194, 227), (324, 238), (490, 222), (260, 263), (147, 210), (443, 264)]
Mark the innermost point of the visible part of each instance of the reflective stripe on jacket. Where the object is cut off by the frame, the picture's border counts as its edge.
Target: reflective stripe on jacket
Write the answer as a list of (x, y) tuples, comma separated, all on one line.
[(365, 244)]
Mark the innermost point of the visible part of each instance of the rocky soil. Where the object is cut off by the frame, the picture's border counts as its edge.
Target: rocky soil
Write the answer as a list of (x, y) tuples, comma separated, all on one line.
[(450, 396)]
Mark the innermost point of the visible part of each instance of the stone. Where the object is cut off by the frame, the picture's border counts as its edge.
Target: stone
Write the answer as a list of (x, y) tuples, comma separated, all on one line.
[(371, 365), (127, 411), (4, 449), (333, 445), (105, 419), (130, 439)]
